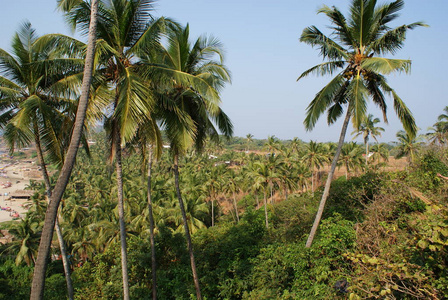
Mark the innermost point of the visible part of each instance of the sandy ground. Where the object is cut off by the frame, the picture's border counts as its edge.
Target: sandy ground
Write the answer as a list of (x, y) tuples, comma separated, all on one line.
[(18, 177)]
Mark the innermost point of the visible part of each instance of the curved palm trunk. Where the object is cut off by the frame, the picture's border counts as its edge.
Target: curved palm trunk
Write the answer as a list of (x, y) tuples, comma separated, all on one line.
[(65, 263), (151, 231), (329, 179), (38, 284), (124, 254), (187, 230)]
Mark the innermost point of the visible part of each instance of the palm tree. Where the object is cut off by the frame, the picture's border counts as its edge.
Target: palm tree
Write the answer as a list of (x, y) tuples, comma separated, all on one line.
[(272, 144), (124, 32), (361, 40), (443, 119), (350, 157), (34, 107), (439, 134), (407, 146), (26, 240), (212, 186), (367, 128), (38, 284), (314, 157), (380, 151), (189, 102), (295, 144), (261, 175), (249, 140)]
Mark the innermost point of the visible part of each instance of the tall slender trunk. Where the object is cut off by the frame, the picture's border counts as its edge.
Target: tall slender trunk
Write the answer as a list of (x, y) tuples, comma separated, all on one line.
[(312, 181), (213, 212), (266, 209), (286, 192), (367, 152), (124, 254), (329, 179), (187, 230), (236, 207), (151, 229), (38, 284), (256, 198), (65, 263)]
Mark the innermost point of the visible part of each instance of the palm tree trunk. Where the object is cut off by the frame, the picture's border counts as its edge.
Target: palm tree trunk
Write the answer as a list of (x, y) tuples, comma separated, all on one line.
[(329, 179), (312, 182), (266, 209), (151, 230), (187, 230), (38, 284), (367, 153), (213, 212), (65, 263), (124, 254), (236, 208)]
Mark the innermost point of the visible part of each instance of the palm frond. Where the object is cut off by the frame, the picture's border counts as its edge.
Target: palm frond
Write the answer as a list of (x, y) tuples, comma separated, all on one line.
[(326, 68), (323, 99), (386, 65), (328, 48)]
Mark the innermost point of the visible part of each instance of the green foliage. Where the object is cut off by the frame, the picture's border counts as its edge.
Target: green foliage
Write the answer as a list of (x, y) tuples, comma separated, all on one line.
[(291, 219), (349, 197), (224, 254), (425, 176), (291, 271), (15, 280)]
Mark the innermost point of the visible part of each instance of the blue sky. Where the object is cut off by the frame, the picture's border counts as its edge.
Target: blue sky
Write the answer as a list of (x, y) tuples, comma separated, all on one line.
[(263, 52)]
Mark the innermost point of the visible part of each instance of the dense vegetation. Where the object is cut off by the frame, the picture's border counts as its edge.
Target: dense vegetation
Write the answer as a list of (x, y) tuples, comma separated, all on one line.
[(383, 233), (134, 219)]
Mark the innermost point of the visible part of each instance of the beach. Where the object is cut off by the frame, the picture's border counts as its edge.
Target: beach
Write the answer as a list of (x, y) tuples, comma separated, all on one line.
[(14, 178)]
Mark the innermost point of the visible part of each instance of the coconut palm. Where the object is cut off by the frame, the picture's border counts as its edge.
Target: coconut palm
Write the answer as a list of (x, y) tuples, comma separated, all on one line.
[(314, 157), (272, 144), (38, 284), (380, 152), (356, 57), (124, 31), (407, 146), (439, 134), (443, 119), (212, 186), (34, 106), (261, 175), (367, 128), (350, 157), (26, 240), (249, 140), (295, 144), (189, 102)]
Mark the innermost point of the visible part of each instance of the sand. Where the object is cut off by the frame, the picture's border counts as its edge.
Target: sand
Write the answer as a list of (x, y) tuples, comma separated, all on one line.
[(17, 175)]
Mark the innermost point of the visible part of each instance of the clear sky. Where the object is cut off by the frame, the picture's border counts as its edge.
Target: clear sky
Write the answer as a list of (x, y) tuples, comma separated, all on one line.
[(263, 52)]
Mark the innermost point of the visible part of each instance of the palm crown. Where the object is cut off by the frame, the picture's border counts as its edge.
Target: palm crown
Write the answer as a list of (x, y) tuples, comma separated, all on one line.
[(355, 56)]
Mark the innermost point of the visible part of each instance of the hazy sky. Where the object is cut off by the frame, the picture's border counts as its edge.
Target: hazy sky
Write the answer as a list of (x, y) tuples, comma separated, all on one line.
[(263, 52)]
